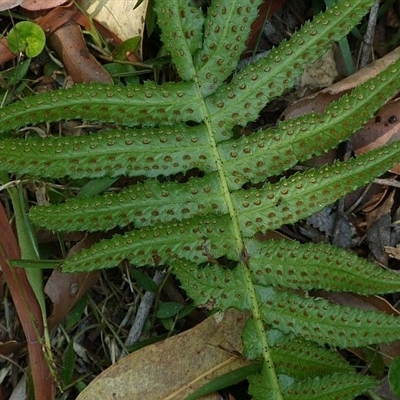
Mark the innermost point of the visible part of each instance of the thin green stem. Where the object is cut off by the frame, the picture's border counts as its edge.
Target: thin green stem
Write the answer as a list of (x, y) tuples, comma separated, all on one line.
[(29, 251)]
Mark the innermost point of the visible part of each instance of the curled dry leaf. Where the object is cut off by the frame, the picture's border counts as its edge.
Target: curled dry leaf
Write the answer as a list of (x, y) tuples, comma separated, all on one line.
[(65, 290), (70, 45), (321, 73), (393, 252)]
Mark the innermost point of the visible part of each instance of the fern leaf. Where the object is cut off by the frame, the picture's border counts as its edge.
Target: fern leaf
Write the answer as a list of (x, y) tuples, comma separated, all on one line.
[(233, 104), (258, 83), (293, 356), (227, 28), (313, 319), (321, 266), (212, 285), (246, 159), (303, 194), (332, 387), (323, 322), (143, 204), (159, 244), (151, 152), (303, 359), (134, 105), (219, 52), (193, 226), (182, 28)]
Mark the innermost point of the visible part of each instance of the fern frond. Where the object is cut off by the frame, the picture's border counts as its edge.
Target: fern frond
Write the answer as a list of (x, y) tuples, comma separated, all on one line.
[(211, 60), (233, 104), (332, 387), (226, 31), (145, 105), (154, 202), (258, 83), (329, 387), (182, 32), (324, 322), (270, 152), (321, 266), (159, 244), (313, 319), (303, 194), (205, 229), (304, 359), (147, 151), (294, 356)]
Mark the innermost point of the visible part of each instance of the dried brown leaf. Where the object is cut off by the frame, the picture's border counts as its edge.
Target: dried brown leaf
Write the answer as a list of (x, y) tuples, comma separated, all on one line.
[(198, 355), (380, 131), (37, 5), (70, 45), (65, 290)]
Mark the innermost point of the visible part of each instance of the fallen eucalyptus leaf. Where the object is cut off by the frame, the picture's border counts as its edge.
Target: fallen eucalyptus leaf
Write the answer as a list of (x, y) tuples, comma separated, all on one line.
[(198, 355)]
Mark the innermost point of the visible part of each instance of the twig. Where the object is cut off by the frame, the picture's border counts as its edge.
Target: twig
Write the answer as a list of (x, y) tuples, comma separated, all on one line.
[(366, 48), (143, 311), (387, 182)]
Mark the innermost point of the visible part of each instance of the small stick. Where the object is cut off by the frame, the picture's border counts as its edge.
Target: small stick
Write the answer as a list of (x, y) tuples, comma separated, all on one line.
[(143, 311), (366, 48)]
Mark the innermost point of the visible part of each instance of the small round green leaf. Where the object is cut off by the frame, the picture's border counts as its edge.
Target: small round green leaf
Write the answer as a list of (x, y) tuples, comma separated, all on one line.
[(394, 376), (26, 37)]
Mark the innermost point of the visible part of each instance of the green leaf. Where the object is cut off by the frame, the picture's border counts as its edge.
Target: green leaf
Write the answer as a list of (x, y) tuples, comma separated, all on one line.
[(35, 264), (15, 75), (144, 280), (168, 309), (324, 322), (294, 356), (113, 153), (68, 364), (128, 46), (394, 376), (134, 105), (26, 37), (76, 313), (224, 381), (95, 186), (303, 194), (246, 159), (157, 245)]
